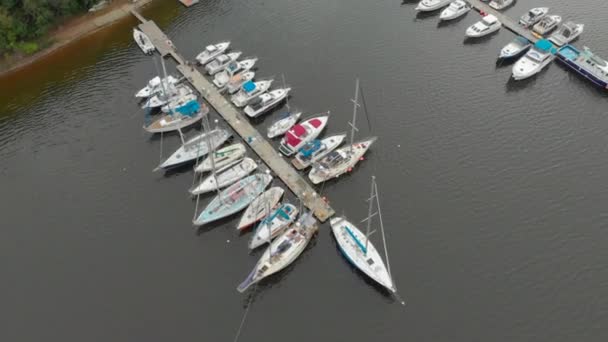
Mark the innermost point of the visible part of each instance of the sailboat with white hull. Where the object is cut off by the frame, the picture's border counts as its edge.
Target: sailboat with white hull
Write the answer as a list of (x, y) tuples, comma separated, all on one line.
[(359, 250)]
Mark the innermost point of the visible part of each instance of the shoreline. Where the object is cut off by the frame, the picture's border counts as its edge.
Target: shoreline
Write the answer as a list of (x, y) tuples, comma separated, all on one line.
[(75, 29)]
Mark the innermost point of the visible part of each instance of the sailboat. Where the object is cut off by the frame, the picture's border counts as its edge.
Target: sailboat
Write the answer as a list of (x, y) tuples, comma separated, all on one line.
[(234, 198), (283, 125), (283, 250), (274, 224), (196, 147), (222, 157), (261, 207), (344, 159), (315, 150), (154, 86), (358, 249), (225, 177)]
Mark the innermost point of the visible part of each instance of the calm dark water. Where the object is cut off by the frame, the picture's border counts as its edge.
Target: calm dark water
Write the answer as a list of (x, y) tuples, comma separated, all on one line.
[(493, 192)]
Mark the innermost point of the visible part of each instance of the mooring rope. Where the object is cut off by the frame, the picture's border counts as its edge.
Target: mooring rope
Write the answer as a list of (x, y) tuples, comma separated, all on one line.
[(238, 332)]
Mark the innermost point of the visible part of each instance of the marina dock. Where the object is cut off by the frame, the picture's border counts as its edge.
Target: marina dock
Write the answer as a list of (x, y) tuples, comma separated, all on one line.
[(508, 22), (241, 125)]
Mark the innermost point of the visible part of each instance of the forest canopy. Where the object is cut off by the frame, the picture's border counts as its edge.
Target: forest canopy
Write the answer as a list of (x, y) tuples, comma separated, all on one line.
[(23, 22)]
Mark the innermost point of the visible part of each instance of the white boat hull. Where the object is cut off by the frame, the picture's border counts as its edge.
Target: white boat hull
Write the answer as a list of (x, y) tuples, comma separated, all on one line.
[(226, 177), (526, 68), (273, 225), (329, 144), (319, 173), (261, 207), (206, 56), (222, 157), (283, 125), (195, 148), (431, 5)]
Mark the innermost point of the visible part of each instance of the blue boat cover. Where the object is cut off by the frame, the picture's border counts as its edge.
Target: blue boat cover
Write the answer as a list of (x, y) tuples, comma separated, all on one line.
[(249, 86), (309, 148), (544, 45), (189, 108)]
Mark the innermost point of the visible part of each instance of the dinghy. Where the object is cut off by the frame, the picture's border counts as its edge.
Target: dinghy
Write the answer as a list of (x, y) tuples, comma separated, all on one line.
[(300, 134), (266, 101), (315, 150), (222, 157), (274, 225), (261, 207), (225, 177), (249, 90), (236, 82), (221, 62), (196, 147), (221, 78), (283, 250), (282, 125), (234, 198), (180, 117), (142, 40), (212, 51)]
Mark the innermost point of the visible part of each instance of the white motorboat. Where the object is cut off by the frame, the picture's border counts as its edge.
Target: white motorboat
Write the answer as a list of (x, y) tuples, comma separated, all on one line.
[(178, 101), (161, 99), (264, 102), (566, 33), (225, 177), (431, 5), (212, 51), (533, 16), (180, 117), (484, 27), (455, 10), (316, 149), (221, 78), (500, 4), (283, 250), (154, 87), (236, 82), (282, 125), (547, 24), (261, 207), (357, 247), (300, 134), (273, 225), (142, 40), (249, 90), (539, 56), (516, 47), (221, 62), (222, 157), (340, 161), (196, 147)]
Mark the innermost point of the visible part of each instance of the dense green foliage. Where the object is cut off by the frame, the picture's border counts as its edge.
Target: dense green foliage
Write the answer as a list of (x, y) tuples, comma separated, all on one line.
[(24, 21)]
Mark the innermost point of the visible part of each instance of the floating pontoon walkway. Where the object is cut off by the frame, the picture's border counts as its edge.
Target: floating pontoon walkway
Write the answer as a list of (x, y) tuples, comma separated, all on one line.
[(275, 161), (508, 22)]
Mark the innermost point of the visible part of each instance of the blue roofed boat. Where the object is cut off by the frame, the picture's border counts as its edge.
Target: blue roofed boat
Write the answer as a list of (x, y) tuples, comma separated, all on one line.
[(250, 90), (585, 63), (539, 56)]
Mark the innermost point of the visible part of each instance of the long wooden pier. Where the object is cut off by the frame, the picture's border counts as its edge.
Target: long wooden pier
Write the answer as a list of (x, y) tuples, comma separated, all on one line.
[(241, 125), (508, 22)]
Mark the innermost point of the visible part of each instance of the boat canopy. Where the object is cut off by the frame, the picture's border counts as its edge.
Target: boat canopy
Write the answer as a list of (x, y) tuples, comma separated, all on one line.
[(189, 108), (544, 45), (489, 19), (210, 48), (308, 149), (316, 123), (249, 86)]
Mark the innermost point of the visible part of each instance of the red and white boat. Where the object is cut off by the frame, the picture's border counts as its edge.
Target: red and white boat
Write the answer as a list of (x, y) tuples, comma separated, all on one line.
[(302, 133)]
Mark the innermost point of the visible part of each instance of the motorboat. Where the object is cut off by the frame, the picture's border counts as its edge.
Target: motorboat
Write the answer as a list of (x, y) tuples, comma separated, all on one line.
[(515, 48), (282, 125), (533, 16), (234, 198), (223, 77), (225, 177), (212, 51), (262, 103), (286, 248), (484, 27), (142, 40), (178, 101), (547, 24), (431, 5), (222, 157), (585, 63), (180, 117), (500, 4), (455, 10), (340, 161), (273, 225), (539, 56), (236, 82), (566, 33), (154, 87), (196, 147), (316, 149), (301, 133), (261, 207), (249, 90), (221, 62)]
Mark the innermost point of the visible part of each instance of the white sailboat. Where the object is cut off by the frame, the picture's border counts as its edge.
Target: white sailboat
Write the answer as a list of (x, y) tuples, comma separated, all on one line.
[(225, 177), (274, 225), (154, 86), (316, 149), (261, 207), (196, 147), (222, 157), (359, 250), (283, 125)]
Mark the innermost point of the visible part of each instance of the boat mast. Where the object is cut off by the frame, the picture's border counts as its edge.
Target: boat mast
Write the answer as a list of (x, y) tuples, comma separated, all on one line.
[(163, 77), (287, 97), (388, 265), (369, 215), (354, 123)]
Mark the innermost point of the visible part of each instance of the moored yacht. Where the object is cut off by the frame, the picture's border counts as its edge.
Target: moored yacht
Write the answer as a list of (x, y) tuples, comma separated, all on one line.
[(547, 24), (500, 4), (533, 16), (273, 225), (212, 51), (222, 157), (264, 102), (455, 10), (236, 82), (249, 90), (316, 149), (431, 5), (300, 134), (484, 27), (566, 33), (515, 48), (539, 56), (586, 64), (221, 78), (221, 62)]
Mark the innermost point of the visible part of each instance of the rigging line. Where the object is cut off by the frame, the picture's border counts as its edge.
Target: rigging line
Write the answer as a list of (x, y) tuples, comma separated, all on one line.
[(161, 148), (369, 124), (238, 332)]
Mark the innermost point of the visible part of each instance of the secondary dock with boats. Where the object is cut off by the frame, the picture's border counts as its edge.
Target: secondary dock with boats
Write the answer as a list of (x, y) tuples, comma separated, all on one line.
[(239, 123)]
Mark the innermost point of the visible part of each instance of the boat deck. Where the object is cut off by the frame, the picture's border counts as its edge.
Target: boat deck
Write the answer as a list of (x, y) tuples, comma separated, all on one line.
[(508, 22), (271, 157)]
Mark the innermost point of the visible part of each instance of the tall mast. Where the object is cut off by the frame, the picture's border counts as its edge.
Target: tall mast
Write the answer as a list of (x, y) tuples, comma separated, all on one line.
[(163, 77), (388, 265), (369, 214), (354, 123)]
